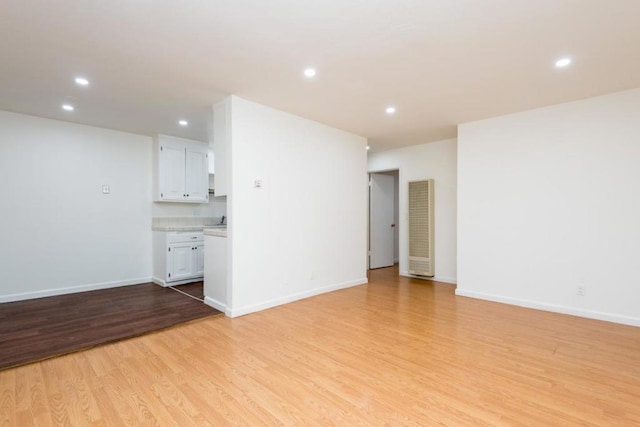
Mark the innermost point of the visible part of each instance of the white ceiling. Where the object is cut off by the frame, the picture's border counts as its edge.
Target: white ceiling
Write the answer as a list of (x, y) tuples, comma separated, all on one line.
[(441, 62)]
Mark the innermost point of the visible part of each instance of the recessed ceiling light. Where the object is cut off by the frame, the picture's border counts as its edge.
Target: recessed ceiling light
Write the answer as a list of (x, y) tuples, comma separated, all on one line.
[(82, 81), (368, 148), (390, 110), (309, 73), (67, 107), (183, 123), (563, 62)]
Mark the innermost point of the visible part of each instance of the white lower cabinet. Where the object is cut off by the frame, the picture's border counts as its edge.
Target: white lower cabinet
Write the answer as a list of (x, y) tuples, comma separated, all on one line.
[(178, 257), (199, 259)]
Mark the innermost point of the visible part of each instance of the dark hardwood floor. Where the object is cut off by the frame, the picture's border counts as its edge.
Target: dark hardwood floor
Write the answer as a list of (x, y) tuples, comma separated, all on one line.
[(40, 328)]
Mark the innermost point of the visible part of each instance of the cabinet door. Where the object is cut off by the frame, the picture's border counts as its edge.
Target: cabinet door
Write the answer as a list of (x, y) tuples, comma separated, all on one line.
[(212, 163), (197, 175), (180, 261), (199, 259), (171, 178), (221, 136)]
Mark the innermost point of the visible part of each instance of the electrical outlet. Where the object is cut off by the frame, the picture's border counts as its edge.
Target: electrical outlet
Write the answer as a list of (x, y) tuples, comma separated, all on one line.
[(581, 290)]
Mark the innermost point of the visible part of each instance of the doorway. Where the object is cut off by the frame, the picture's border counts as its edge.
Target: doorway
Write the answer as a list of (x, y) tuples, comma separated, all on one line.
[(384, 225)]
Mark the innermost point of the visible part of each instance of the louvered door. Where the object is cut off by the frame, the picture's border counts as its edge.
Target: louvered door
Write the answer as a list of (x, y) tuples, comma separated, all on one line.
[(421, 226)]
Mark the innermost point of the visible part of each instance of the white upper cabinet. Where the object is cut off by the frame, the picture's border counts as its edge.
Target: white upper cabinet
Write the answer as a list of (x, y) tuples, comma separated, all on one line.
[(212, 164), (197, 173), (181, 170), (171, 172), (221, 143)]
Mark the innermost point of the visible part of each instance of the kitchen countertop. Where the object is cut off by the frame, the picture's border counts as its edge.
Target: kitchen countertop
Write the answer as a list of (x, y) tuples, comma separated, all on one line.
[(179, 227), (189, 228), (215, 231), (186, 223)]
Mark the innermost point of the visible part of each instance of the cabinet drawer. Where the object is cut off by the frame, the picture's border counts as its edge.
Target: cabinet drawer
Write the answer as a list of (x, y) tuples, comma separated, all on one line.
[(184, 236)]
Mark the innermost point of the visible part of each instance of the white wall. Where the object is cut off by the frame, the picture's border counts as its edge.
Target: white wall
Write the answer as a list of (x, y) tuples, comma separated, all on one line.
[(304, 231), (435, 160), (166, 209), (59, 232), (548, 201), (218, 206)]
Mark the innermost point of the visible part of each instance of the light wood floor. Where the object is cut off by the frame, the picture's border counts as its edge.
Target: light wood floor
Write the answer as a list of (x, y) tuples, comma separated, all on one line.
[(394, 352)]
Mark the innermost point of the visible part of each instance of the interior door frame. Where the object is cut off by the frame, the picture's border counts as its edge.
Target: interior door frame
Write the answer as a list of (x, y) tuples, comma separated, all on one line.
[(398, 219)]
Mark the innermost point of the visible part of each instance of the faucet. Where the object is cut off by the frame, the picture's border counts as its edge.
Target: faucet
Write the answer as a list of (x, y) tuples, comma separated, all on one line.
[(222, 220)]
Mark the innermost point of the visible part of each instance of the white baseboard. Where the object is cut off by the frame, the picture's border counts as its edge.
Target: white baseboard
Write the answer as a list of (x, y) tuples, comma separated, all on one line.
[(164, 284), (598, 315), (435, 278), (159, 281), (215, 304), (72, 289), (235, 312)]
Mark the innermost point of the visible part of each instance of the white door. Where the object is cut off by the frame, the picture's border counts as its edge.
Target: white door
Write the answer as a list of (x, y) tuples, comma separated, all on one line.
[(381, 225)]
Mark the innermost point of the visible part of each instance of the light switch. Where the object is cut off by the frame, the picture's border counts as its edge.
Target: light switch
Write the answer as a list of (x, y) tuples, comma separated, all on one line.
[(106, 189), (257, 183)]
